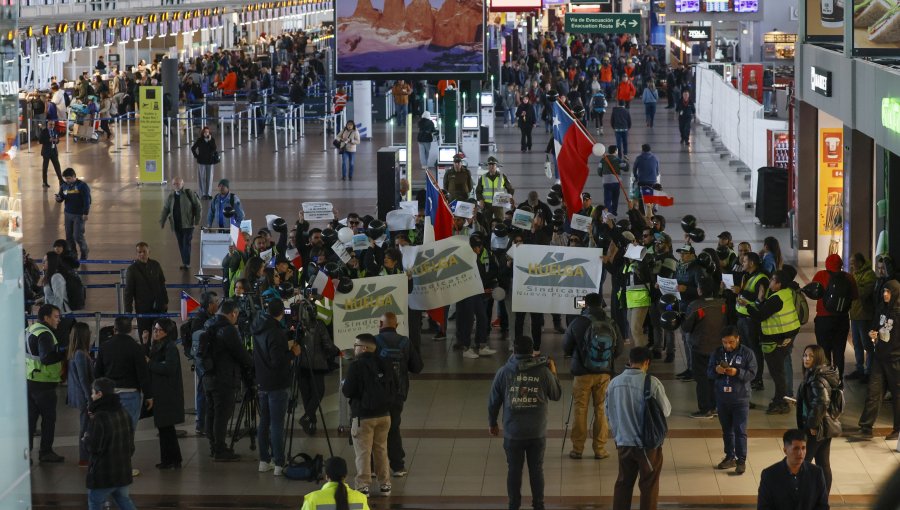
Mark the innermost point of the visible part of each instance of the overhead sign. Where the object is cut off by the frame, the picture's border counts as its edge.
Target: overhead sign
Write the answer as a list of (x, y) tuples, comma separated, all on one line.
[(443, 273), (603, 23), (820, 80), (359, 310), (697, 34), (547, 279)]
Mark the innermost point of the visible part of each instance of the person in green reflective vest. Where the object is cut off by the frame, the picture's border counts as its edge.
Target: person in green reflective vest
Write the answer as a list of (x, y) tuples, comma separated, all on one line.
[(488, 185), (752, 289), (335, 494), (43, 371), (779, 324)]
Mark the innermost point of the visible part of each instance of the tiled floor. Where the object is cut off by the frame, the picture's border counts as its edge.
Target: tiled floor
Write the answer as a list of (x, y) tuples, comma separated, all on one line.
[(452, 461)]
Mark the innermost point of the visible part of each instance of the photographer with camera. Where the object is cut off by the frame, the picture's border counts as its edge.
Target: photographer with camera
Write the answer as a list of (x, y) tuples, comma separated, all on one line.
[(733, 367), (226, 363), (317, 358), (273, 355)]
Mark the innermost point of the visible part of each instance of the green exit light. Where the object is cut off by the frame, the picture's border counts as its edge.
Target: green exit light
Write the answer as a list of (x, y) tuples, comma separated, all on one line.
[(890, 114)]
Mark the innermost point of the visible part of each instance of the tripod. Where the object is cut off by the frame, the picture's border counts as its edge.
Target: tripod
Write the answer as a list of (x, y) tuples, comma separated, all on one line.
[(246, 417)]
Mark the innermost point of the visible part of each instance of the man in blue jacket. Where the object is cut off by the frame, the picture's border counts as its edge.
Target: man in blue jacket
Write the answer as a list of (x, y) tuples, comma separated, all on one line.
[(733, 367), (523, 387), (224, 201), (76, 195)]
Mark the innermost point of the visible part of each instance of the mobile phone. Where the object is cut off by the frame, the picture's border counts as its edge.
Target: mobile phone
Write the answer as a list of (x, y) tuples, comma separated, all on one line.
[(724, 364), (579, 302), (287, 311)]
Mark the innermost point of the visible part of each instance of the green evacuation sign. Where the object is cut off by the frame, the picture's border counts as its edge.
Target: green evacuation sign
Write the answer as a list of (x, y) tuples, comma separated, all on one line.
[(604, 23)]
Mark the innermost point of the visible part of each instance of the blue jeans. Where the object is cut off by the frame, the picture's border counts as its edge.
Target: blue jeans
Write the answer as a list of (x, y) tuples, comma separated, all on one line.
[(402, 110), (96, 498), (862, 346), (517, 450), (270, 432), (650, 112), (622, 142), (200, 399), (74, 224), (347, 159), (184, 237), (131, 401), (611, 196), (733, 418), (510, 116)]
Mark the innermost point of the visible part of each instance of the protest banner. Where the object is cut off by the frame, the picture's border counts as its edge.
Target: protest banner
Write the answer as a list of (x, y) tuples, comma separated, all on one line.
[(359, 310), (444, 272), (547, 279)]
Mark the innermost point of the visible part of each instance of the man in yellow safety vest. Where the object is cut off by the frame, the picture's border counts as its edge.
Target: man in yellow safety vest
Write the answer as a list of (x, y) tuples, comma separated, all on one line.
[(752, 289), (490, 184), (43, 370), (779, 324)]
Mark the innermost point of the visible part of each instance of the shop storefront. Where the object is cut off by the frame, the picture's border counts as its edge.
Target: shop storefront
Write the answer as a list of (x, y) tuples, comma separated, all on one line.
[(690, 44)]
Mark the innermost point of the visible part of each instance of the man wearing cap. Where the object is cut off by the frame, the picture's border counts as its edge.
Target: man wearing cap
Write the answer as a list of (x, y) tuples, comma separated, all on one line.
[(725, 247), (182, 210), (458, 179), (587, 205), (491, 183), (539, 208), (664, 266), (217, 207), (523, 387), (687, 274)]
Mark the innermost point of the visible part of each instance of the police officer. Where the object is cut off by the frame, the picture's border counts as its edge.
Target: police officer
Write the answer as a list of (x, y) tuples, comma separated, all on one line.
[(753, 287), (458, 179), (779, 324), (43, 371), (732, 367), (490, 184)]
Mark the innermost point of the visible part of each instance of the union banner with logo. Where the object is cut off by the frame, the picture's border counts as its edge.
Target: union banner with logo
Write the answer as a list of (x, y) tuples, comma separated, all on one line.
[(444, 272), (360, 310), (548, 279)]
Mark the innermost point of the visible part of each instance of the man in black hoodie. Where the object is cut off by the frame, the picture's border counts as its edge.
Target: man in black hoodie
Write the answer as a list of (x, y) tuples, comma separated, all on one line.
[(886, 363), (145, 289), (273, 354), (523, 387), (209, 305), (110, 440), (121, 359)]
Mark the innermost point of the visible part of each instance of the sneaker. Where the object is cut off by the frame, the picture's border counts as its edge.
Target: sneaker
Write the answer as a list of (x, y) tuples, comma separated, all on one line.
[(727, 463), (227, 456), (400, 473), (385, 489), (892, 436), (778, 408), (855, 375), (486, 351), (574, 455), (702, 415), (602, 454), (686, 373), (278, 471), (364, 490), (470, 354), (266, 466), (740, 468), (51, 457)]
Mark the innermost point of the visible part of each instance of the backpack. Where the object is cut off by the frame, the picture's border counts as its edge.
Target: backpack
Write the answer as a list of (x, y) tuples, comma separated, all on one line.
[(75, 292), (598, 347), (381, 386), (653, 422), (837, 293), (184, 335), (801, 306), (204, 349), (393, 356), (305, 468), (833, 411)]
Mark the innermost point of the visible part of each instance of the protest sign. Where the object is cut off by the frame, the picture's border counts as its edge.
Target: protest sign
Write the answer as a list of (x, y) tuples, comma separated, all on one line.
[(444, 272), (360, 310), (547, 279)]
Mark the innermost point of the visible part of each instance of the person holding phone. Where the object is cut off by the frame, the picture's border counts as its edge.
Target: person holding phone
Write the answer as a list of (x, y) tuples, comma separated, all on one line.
[(733, 367)]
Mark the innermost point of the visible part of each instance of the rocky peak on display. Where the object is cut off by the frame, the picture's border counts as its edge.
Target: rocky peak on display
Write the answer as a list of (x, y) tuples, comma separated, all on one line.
[(457, 22), (420, 19), (365, 10), (393, 16)]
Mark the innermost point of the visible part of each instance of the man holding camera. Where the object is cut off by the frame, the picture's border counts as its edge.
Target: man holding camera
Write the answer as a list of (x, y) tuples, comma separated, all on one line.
[(733, 367), (523, 387)]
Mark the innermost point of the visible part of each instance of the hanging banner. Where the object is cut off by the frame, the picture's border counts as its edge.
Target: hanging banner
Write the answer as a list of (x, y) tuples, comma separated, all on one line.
[(547, 279), (151, 132), (360, 310), (444, 272)]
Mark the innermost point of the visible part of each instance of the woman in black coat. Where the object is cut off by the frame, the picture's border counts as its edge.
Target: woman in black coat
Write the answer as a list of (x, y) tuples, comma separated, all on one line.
[(207, 154), (168, 392), (813, 399)]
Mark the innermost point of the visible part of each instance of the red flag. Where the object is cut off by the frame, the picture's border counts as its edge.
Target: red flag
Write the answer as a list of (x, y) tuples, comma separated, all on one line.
[(437, 211), (573, 147), (293, 255), (188, 305)]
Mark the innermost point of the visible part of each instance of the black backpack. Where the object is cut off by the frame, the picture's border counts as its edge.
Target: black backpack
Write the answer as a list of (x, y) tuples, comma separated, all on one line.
[(67, 99), (837, 293), (37, 106), (393, 356), (381, 386), (833, 411), (187, 344), (204, 349), (653, 422), (75, 292), (598, 347), (305, 468)]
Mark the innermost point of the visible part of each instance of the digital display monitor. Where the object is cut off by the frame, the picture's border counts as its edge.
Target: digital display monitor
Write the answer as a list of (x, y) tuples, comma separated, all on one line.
[(470, 122), (445, 155), (487, 99), (401, 155), (738, 6), (746, 5)]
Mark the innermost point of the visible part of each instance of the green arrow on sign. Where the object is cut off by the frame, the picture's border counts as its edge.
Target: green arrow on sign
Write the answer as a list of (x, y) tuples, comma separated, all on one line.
[(603, 23)]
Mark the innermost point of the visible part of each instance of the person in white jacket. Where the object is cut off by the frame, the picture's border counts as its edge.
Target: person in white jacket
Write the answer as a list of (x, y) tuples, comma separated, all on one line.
[(54, 282)]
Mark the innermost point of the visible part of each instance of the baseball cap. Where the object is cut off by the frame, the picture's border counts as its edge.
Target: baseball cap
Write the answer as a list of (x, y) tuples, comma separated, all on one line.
[(725, 235), (686, 249), (585, 196), (628, 235)]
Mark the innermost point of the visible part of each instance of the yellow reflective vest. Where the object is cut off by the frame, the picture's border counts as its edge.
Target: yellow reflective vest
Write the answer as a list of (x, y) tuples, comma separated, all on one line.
[(636, 296), (786, 319), (488, 189), (34, 369), (750, 286), (323, 499)]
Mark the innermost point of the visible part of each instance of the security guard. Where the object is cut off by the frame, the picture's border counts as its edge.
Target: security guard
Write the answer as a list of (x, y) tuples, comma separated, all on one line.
[(43, 370), (780, 324), (637, 296), (458, 179), (753, 288), (489, 184)]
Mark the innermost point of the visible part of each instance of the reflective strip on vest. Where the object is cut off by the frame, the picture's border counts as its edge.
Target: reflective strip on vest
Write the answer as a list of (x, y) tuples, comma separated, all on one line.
[(751, 286), (637, 296), (488, 189), (34, 369), (324, 310), (784, 320)]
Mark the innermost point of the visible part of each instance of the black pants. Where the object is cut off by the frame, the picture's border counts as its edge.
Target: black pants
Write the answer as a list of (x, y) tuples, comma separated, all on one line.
[(537, 325), (312, 389), (219, 408), (706, 398), (42, 402), (820, 451), (472, 311), (517, 450), (55, 160), (831, 335), (684, 127), (104, 126), (775, 362), (526, 137), (396, 455), (885, 376), (749, 330), (169, 451)]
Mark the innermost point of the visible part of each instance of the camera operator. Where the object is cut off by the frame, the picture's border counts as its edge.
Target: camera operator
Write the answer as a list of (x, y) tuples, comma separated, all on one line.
[(209, 305), (273, 354), (317, 358), (687, 273), (230, 364)]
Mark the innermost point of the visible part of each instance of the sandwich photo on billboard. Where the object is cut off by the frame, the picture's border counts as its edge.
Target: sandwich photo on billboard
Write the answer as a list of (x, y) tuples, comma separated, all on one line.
[(876, 27), (423, 37)]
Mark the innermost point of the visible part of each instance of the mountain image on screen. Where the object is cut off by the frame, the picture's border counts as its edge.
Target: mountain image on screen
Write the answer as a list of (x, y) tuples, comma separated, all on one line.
[(421, 36)]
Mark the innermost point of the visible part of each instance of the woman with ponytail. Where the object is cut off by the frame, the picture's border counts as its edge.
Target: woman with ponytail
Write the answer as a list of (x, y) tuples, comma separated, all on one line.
[(336, 493)]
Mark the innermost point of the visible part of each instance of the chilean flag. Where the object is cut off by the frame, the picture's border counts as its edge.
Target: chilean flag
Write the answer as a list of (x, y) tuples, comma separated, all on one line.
[(188, 305), (573, 147), (237, 239), (439, 224), (655, 196), (323, 284), (293, 255)]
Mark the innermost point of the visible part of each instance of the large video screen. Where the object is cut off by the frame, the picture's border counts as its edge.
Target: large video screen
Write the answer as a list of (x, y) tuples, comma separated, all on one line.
[(428, 38), (740, 6), (825, 20), (876, 28)]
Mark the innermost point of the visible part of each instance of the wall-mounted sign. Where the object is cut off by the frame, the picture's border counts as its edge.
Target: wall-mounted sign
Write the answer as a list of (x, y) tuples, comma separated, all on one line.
[(890, 114), (603, 23), (697, 34), (820, 80)]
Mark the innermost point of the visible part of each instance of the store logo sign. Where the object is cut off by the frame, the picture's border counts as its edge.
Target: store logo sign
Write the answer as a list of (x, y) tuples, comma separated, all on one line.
[(890, 114), (698, 34), (820, 81)]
